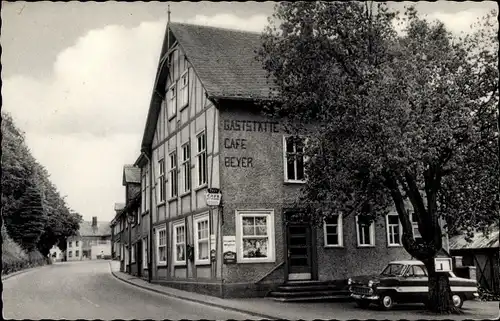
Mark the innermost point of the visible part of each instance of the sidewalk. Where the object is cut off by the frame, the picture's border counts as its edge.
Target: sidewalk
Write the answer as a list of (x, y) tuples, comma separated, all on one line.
[(263, 308)]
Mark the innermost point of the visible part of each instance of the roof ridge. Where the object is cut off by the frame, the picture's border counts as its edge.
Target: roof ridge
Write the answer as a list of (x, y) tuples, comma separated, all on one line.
[(214, 27)]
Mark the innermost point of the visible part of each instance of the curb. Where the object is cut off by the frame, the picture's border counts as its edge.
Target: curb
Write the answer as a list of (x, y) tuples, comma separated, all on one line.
[(220, 306), (8, 276)]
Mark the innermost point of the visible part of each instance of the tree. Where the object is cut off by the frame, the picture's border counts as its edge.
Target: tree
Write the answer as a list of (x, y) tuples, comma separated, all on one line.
[(21, 171), (27, 226), (393, 121)]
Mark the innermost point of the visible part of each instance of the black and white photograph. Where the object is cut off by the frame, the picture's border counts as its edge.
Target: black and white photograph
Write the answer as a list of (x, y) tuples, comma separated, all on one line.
[(295, 160)]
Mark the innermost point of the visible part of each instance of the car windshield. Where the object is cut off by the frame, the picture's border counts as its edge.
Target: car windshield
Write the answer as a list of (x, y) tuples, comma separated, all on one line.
[(393, 270)]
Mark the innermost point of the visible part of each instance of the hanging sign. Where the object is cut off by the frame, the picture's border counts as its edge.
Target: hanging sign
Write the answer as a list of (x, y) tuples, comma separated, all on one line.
[(213, 196)]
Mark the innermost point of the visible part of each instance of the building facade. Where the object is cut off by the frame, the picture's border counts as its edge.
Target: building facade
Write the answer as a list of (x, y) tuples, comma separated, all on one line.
[(204, 130), (92, 241)]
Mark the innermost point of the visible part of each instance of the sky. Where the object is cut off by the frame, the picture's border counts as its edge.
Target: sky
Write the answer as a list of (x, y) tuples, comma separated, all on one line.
[(77, 79)]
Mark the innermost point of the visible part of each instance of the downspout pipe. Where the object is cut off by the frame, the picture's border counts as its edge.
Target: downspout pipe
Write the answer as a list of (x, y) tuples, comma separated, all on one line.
[(150, 241)]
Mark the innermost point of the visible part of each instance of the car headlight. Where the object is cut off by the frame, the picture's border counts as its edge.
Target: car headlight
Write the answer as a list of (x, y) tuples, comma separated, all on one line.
[(370, 283), (349, 281)]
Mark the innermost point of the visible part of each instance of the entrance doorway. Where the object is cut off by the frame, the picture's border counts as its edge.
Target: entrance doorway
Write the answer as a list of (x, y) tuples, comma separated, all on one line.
[(299, 245)]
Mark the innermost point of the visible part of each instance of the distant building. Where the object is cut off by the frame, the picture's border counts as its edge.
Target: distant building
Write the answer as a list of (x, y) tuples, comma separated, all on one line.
[(56, 254), (93, 241)]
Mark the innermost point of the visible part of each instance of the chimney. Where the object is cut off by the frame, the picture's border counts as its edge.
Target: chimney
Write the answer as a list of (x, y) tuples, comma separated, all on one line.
[(94, 224)]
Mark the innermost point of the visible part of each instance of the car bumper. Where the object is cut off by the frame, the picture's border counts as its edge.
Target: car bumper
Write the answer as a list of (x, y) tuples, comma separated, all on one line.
[(364, 297)]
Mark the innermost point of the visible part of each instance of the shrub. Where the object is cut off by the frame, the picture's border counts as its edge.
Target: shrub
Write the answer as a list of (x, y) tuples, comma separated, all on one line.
[(14, 258), (487, 295)]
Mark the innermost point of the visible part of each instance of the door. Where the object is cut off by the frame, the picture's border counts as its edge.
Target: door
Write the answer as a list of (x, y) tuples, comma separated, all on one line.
[(138, 258), (299, 245)]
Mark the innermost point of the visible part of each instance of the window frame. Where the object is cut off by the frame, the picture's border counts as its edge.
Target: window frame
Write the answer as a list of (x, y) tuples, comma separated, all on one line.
[(173, 175), (285, 161), (184, 90), (201, 218), (388, 230), (269, 214), (340, 232), (176, 225), (172, 100), (372, 234), (201, 154), (186, 167), (162, 181), (158, 231)]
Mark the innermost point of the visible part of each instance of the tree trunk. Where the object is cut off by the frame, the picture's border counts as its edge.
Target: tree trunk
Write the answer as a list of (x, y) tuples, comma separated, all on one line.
[(439, 296)]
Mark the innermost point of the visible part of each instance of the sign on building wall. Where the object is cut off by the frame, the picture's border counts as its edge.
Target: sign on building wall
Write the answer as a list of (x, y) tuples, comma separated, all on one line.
[(229, 249), (213, 196)]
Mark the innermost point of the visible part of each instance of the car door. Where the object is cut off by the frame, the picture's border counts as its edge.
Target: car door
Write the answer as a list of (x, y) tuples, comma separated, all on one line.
[(416, 284)]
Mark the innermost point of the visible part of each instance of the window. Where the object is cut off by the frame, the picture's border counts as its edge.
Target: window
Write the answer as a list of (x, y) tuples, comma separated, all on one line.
[(201, 158), (161, 180), (183, 90), (201, 240), (145, 253), (333, 231), (70, 254), (394, 229), (161, 237), (76, 243), (132, 254), (365, 233), (102, 242), (255, 231), (77, 253), (138, 216), (416, 232), (172, 101), (417, 270), (179, 243), (143, 191), (173, 174), (186, 168), (294, 159), (70, 244)]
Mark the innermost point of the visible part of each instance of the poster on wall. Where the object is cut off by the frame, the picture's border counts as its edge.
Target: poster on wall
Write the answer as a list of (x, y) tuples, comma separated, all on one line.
[(229, 249)]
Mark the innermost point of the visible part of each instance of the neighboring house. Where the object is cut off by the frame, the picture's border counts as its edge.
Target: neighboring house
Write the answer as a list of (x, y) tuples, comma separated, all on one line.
[(92, 241), (56, 254), (131, 226), (116, 229), (482, 253), (203, 130)]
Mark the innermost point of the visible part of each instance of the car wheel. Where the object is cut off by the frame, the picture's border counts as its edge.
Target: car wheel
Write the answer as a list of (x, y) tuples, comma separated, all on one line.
[(458, 301), (386, 302), (363, 303)]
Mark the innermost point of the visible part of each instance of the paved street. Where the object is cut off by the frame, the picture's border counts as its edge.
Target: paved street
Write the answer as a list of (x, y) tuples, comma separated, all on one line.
[(87, 290)]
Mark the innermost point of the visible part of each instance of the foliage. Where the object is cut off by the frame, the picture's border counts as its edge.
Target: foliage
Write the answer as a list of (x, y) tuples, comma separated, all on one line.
[(487, 295), (394, 121), (14, 258), (25, 181)]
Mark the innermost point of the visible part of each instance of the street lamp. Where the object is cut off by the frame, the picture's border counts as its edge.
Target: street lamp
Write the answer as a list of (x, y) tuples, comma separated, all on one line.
[(130, 220)]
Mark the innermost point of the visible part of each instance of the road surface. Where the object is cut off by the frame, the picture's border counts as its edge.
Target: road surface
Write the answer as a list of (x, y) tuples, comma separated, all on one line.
[(87, 290)]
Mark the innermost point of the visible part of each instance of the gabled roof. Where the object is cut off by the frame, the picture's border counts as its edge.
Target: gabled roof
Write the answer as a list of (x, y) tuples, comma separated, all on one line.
[(224, 60), (131, 174), (103, 229), (479, 241)]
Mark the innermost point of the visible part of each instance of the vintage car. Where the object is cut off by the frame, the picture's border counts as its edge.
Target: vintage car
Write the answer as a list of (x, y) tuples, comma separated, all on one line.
[(405, 282)]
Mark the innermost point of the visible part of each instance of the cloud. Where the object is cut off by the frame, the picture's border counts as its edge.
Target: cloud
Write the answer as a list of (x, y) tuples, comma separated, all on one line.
[(86, 119)]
